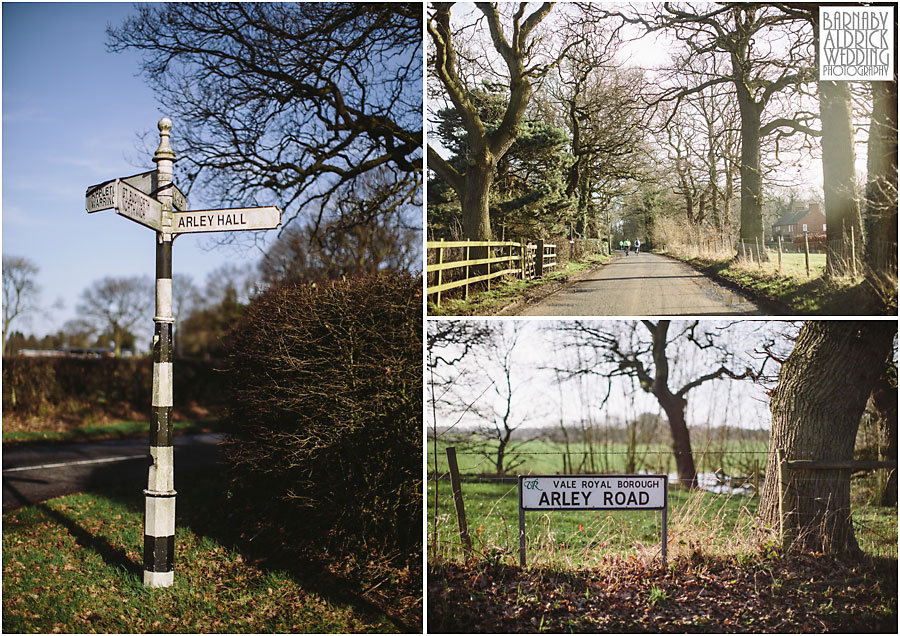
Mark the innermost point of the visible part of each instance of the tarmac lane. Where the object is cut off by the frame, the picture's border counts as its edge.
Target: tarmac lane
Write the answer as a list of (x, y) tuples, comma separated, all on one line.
[(38, 472), (644, 285)]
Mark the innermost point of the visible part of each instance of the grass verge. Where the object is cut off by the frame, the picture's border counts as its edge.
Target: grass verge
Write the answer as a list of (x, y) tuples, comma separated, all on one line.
[(505, 292), (73, 564), (794, 293), (89, 432)]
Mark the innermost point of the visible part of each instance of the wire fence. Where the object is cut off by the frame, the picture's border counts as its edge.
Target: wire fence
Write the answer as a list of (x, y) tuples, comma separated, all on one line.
[(720, 515), (805, 256)]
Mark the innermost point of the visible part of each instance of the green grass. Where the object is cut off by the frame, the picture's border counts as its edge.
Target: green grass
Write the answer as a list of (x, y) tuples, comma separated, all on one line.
[(578, 539), (73, 564), (734, 457), (121, 429), (504, 292), (697, 521), (794, 293)]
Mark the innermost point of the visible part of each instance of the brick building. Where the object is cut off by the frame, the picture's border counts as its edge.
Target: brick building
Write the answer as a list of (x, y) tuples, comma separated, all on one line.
[(809, 221)]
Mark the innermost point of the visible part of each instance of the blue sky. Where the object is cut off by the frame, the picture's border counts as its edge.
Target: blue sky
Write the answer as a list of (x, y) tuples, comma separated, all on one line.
[(73, 115)]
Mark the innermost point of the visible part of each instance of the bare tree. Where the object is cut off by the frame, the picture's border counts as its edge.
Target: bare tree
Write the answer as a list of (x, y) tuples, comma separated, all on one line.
[(515, 40), (758, 75), (20, 291), (501, 416), (822, 391), (185, 297), (286, 102), (599, 105), (117, 305), (354, 242), (627, 352)]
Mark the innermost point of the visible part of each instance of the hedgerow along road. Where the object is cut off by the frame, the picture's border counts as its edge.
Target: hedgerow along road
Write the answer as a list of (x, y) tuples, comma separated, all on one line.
[(643, 285)]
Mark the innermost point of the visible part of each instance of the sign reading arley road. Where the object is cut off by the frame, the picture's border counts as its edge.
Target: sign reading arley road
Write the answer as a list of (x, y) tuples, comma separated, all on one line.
[(592, 492), (152, 199)]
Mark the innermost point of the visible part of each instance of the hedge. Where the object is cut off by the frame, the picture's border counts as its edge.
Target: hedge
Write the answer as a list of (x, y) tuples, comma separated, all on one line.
[(326, 390), (33, 385)]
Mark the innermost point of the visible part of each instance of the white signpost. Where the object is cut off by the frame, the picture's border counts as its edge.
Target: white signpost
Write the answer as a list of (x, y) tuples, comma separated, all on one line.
[(127, 201), (592, 492), (228, 220), (153, 200)]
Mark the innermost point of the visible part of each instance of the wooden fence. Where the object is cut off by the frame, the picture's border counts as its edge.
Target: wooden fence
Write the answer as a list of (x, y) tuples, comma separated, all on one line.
[(505, 258), (787, 491)]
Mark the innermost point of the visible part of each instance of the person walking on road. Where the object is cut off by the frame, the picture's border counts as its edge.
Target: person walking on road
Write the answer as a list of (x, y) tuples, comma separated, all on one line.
[(637, 246), (627, 246)]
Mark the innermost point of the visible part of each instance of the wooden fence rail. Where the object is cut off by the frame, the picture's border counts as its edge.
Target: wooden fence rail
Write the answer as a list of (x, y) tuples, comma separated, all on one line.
[(783, 477), (509, 258)]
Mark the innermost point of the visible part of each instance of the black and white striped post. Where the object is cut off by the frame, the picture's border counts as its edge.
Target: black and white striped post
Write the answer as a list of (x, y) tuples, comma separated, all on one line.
[(152, 200), (159, 497)]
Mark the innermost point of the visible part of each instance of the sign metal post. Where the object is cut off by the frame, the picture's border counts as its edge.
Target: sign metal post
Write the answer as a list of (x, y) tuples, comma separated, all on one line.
[(153, 200), (594, 492)]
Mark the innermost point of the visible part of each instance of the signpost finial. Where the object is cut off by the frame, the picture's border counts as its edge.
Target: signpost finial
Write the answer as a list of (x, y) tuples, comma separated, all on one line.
[(164, 151)]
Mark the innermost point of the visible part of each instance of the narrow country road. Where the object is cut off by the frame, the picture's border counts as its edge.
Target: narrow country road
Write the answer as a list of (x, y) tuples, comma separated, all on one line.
[(39, 472), (643, 285)]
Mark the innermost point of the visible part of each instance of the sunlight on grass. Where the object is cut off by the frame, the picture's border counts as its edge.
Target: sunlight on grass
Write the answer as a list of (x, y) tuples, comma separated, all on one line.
[(73, 564)]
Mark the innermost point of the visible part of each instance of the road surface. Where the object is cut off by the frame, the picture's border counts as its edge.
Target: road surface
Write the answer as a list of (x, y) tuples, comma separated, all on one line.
[(39, 472), (643, 285)]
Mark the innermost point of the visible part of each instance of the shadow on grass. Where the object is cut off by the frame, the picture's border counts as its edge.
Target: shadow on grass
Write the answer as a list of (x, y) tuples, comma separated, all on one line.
[(114, 557), (201, 505)]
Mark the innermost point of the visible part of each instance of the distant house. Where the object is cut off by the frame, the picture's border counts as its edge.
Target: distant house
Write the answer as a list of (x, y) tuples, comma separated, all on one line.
[(809, 221)]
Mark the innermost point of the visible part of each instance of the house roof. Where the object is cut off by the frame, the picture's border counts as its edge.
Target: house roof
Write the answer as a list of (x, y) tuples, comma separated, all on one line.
[(791, 218)]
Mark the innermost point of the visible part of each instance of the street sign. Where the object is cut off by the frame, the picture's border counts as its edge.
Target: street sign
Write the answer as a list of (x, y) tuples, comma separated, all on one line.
[(100, 197), (137, 206), (226, 220), (146, 183), (593, 492)]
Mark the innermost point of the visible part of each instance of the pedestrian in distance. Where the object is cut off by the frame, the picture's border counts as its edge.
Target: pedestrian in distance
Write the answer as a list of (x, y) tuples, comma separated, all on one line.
[(637, 246), (627, 246)]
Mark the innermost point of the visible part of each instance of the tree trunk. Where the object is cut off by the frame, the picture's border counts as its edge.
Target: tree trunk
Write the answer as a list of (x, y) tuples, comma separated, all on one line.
[(841, 201), (822, 391), (881, 185), (475, 200), (884, 400), (681, 439), (751, 174)]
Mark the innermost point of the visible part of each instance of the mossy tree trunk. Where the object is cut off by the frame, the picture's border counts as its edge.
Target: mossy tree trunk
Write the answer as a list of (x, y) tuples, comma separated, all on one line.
[(822, 391)]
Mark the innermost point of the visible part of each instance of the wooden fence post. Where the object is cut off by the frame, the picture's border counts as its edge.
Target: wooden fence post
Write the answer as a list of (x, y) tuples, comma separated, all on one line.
[(744, 249), (524, 247), (806, 251), (440, 250), (758, 253), (458, 499), (467, 269), (853, 248), (539, 259), (779, 253)]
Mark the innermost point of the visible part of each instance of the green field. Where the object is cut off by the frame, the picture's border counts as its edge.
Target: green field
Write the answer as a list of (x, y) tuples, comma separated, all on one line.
[(697, 521), (793, 264), (732, 457)]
